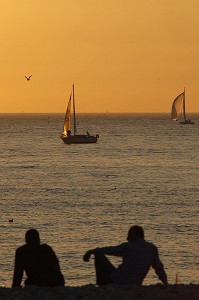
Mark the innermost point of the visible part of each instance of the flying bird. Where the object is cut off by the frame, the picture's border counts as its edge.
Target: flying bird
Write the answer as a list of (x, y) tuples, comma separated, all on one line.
[(28, 78)]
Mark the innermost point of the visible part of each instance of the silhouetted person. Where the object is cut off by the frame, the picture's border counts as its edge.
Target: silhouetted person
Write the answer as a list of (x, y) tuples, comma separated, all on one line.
[(137, 255), (68, 133), (38, 261)]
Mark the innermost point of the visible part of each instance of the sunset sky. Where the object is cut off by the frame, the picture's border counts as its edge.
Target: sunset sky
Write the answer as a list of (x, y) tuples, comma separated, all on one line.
[(122, 55)]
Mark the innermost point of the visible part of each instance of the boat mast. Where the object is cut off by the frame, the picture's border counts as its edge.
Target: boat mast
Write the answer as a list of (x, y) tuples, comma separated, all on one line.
[(74, 117), (184, 113)]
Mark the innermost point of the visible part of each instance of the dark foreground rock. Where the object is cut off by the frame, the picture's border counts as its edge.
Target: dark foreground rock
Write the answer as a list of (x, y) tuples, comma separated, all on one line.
[(91, 292)]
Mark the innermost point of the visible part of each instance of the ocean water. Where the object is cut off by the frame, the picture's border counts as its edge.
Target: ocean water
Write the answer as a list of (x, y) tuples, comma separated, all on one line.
[(143, 170)]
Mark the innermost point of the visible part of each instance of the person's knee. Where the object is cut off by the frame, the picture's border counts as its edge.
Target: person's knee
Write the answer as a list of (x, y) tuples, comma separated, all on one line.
[(99, 255)]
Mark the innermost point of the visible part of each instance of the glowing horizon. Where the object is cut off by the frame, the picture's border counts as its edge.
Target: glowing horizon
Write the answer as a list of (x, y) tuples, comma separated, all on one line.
[(123, 56)]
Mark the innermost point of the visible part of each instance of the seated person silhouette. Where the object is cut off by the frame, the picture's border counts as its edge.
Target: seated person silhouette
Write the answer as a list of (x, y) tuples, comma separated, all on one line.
[(38, 261), (138, 256)]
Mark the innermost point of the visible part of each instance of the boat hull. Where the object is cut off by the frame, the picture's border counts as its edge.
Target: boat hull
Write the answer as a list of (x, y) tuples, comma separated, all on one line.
[(80, 139), (186, 122)]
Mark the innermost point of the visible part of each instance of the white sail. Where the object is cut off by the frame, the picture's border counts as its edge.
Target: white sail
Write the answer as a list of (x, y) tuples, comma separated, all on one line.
[(67, 118), (74, 112), (177, 107)]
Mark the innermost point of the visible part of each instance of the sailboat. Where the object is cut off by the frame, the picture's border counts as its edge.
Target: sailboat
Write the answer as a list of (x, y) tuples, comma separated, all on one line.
[(178, 111), (66, 136)]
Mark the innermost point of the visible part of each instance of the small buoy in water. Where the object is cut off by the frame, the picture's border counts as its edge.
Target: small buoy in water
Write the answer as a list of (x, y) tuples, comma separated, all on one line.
[(11, 220)]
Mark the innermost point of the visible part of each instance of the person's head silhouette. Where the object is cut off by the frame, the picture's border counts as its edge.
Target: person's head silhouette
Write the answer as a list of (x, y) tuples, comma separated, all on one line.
[(135, 232), (32, 237)]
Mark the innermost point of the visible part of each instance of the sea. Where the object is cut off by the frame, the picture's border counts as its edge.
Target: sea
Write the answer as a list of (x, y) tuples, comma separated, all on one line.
[(144, 170)]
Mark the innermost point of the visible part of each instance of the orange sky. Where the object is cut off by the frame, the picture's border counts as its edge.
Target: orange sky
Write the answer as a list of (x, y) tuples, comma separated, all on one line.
[(122, 55)]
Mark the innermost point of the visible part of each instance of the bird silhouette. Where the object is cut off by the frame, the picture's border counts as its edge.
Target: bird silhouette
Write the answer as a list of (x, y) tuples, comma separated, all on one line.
[(11, 220), (28, 78)]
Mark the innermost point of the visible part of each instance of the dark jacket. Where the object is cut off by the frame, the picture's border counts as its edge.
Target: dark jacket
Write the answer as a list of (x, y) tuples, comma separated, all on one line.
[(40, 265)]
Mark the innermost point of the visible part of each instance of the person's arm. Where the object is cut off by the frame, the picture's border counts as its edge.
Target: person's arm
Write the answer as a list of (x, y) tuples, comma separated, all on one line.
[(52, 257), (18, 271), (112, 250), (159, 267)]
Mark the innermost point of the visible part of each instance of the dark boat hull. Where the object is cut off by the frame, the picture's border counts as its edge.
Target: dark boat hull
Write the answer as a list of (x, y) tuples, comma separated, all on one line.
[(186, 122), (80, 139)]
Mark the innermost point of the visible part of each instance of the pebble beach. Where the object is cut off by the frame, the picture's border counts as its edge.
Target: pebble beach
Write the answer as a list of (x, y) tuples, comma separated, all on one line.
[(90, 292)]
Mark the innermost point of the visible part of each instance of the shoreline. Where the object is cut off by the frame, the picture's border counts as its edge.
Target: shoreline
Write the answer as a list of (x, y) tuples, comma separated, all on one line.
[(112, 292)]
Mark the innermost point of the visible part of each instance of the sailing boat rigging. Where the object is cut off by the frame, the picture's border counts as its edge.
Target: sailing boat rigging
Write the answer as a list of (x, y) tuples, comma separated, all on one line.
[(74, 138), (178, 111)]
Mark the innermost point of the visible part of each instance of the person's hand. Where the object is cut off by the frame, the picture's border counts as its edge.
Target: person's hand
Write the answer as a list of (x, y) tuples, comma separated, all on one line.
[(86, 256)]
